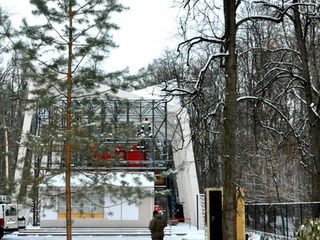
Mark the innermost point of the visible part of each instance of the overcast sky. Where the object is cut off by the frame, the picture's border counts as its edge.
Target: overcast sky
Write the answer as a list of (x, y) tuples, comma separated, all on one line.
[(145, 30)]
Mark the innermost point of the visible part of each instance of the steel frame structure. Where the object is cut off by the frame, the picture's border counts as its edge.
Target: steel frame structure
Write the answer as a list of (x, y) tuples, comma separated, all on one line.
[(106, 118)]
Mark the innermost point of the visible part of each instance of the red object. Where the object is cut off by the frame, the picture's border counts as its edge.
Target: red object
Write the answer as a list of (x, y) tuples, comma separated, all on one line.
[(156, 208), (133, 157)]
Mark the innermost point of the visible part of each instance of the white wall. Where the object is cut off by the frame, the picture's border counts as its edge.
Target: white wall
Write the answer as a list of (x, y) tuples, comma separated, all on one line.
[(116, 212), (187, 180)]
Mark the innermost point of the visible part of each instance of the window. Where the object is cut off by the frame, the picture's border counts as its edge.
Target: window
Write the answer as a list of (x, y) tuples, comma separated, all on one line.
[(11, 211), (120, 210), (86, 203)]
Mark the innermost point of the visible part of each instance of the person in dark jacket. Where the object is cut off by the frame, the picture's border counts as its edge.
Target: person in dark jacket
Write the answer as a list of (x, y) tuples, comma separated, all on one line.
[(156, 226)]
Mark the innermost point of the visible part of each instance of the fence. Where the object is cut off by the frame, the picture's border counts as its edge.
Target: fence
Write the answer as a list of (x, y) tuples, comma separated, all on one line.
[(201, 211), (279, 218)]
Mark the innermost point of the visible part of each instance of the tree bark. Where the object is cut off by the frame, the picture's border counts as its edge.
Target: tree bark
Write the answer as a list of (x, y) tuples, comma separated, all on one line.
[(314, 123), (229, 124), (68, 120)]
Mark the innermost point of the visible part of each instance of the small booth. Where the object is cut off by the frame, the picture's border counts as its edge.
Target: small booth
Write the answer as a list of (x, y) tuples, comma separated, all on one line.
[(99, 200)]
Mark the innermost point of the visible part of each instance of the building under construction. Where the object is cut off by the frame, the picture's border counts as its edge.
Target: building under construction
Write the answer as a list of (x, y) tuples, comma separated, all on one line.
[(128, 134)]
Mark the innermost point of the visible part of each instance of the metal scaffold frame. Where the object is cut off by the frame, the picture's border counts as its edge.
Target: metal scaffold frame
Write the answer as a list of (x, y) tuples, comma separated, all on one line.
[(107, 118), (146, 149), (169, 125)]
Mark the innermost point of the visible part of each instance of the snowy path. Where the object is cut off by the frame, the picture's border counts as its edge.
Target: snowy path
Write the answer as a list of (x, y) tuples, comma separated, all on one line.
[(13, 237), (176, 231), (191, 233)]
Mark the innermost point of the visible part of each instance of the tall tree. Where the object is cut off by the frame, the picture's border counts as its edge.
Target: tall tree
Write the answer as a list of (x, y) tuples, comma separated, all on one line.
[(288, 83), (229, 123), (225, 36), (13, 88), (303, 20), (67, 49), (225, 52)]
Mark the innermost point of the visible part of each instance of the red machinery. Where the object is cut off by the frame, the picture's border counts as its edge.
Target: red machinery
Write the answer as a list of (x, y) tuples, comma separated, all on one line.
[(123, 156)]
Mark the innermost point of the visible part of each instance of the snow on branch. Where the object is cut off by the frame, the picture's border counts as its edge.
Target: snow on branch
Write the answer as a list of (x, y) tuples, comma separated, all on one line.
[(297, 95), (195, 40), (197, 86), (213, 113), (313, 107), (270, 104), (282, 11), (187, 2), (285, 50), (206, 66)]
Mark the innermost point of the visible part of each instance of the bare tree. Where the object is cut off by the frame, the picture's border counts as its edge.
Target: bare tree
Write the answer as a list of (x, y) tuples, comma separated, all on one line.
[(287, 84), (13, 89), (228, 57), (303, 17), (227, 43)]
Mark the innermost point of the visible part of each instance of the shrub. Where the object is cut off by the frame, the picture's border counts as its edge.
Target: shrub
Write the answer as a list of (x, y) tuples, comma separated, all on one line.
[(309, 230)]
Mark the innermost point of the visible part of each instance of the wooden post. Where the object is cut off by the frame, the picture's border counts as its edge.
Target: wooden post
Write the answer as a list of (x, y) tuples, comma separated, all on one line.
[(241, 228), (69, 130)]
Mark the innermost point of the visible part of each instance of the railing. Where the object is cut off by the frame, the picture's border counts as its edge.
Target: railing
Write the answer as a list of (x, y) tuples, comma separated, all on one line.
[(280, 218), (174, 221), (201, 211)]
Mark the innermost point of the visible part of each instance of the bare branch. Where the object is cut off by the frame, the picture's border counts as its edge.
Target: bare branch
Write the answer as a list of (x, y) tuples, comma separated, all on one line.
[(196, 40)]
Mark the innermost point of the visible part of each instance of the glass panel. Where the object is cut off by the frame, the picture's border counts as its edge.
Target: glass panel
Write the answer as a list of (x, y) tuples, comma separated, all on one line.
[(90, 203), (12, 211)]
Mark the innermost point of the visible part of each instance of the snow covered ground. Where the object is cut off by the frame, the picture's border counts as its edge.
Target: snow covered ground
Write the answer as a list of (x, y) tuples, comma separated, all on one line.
[(13, 237), (191, 233)]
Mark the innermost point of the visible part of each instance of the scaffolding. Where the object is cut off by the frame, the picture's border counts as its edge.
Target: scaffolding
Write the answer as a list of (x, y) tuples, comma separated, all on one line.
[(130, 134), (126, 135)]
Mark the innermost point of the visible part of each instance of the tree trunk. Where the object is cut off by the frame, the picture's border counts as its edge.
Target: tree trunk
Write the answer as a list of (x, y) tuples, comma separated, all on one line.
[(68, 120), (314, 123), (6, 153), (229, 125)]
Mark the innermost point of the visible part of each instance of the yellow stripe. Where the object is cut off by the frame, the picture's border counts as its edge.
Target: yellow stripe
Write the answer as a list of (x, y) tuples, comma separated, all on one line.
[(82, 215)]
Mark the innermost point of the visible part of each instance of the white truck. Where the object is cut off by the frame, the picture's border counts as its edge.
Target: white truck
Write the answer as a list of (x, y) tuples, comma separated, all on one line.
[(9, 220)]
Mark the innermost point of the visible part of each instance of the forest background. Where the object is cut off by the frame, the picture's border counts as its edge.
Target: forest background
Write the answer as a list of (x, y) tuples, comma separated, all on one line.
[(277, 152)]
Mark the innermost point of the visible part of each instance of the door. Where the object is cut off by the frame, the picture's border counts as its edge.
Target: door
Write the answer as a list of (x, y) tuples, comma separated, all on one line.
[(10, 217)]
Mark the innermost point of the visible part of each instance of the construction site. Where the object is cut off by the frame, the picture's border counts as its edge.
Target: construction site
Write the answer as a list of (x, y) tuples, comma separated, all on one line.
[(156, 141)]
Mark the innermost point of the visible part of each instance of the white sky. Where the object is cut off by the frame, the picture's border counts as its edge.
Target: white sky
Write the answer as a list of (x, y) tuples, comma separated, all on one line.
[(145, 31)]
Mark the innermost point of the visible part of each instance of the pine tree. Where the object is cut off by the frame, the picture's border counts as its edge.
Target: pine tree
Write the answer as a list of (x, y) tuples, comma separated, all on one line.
[(66, 50), (13, 91)]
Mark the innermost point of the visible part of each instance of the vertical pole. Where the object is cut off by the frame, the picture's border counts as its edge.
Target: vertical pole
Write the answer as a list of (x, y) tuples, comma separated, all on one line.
[(301, 217), (241, 231), (197, 202), (165, 121), (255, 217), (166, 143), (68, 120), (128, 111), (214, 206), (264, 218), (287, 221), (275, 218), (153, 118), (6, 142), (6, 153)]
